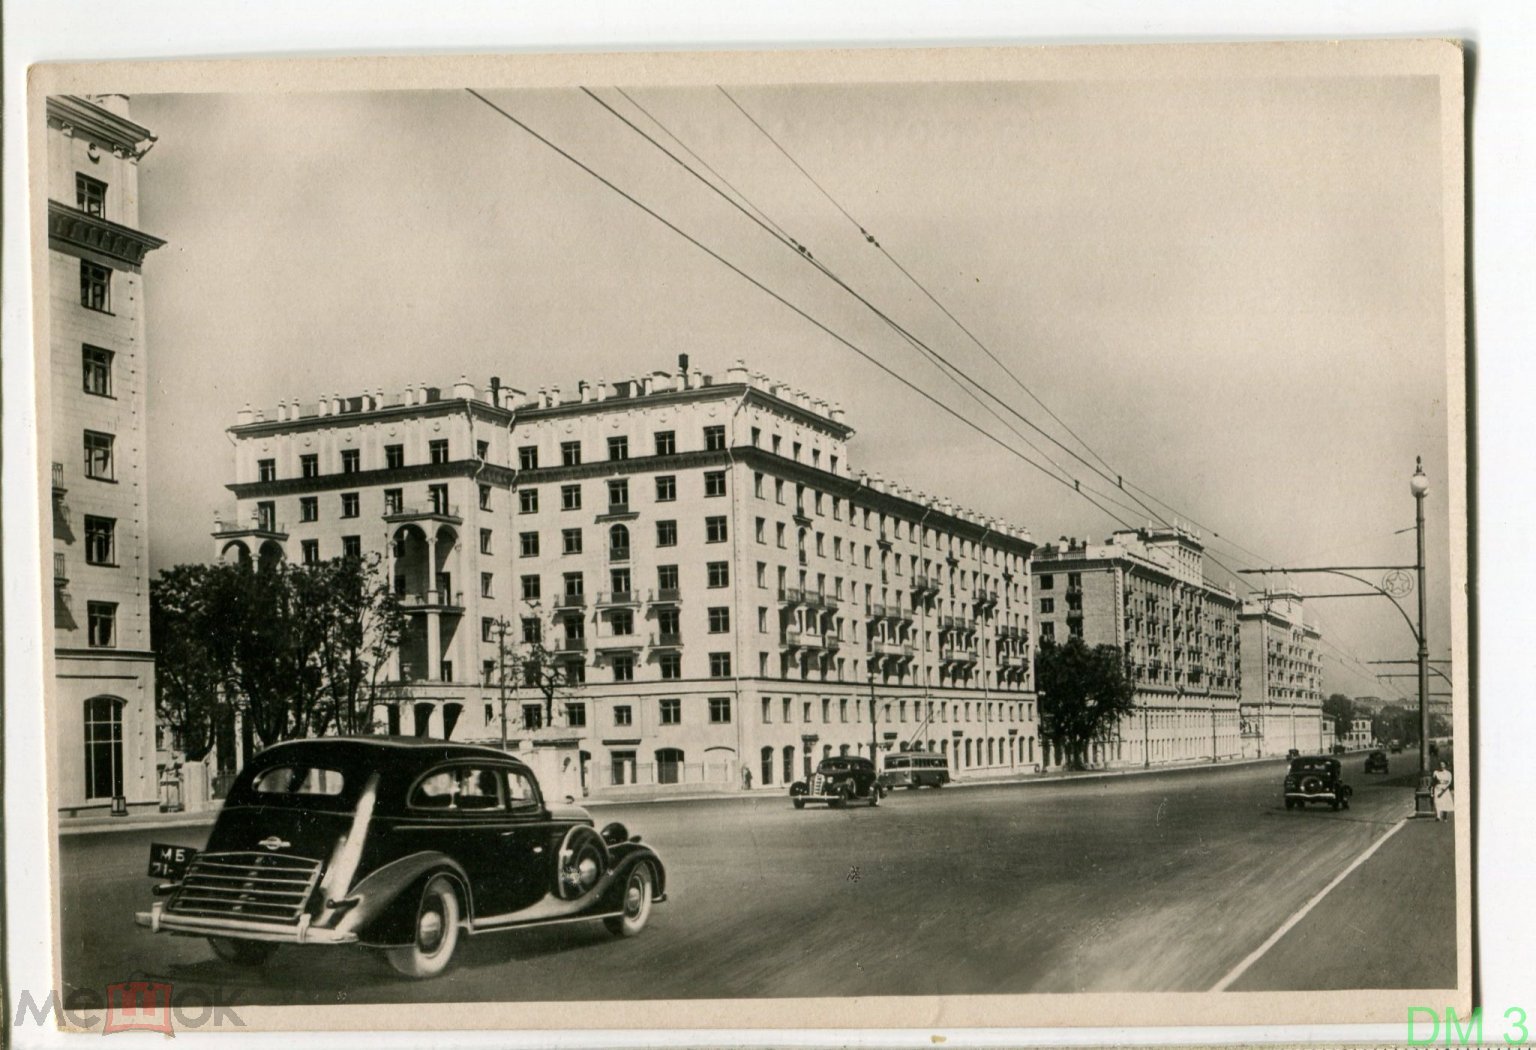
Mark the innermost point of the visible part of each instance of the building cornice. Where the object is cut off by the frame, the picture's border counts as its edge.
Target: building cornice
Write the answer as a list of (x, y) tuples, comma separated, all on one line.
[(459, 468), (445, 407), (714, 392), (99, 240), (74, 115), (1132, 563)]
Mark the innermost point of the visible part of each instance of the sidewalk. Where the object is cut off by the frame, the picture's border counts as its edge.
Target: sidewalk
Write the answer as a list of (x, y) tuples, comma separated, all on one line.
[(204, 818)]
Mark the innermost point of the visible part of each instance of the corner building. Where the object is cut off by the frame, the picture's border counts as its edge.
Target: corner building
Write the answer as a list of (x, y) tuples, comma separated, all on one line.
[(732, 601), (1282, 678), (1144, 592), (103, 699)]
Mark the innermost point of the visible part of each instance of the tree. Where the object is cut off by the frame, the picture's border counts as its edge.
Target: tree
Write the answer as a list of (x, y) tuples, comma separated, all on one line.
[(361, 623), (1342, 708), (1084, 693), (192, 669), (540, 668)]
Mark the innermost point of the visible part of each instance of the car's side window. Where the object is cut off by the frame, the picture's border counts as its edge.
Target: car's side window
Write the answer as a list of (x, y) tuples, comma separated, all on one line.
[(460, 788), (522, 795)]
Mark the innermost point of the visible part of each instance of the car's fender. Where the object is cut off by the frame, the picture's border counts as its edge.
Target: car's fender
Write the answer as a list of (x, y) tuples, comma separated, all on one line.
[(385, 912), (799, 788), (626, 856)]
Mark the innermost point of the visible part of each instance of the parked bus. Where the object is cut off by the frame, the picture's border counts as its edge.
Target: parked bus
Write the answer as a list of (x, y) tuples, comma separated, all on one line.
[(913, 769)]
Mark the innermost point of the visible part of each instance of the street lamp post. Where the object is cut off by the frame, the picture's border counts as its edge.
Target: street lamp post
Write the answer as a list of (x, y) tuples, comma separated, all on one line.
[(874, 740), (1423, 800)]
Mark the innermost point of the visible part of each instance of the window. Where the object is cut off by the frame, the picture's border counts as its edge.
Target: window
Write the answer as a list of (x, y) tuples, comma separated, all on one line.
[(100, 548), (437, 497), (714, 439), (482, 450), (719, 619), (528, 501), (618, 543), (570, 541), (777, 441), (762, 620), (101, 623), (666, 488), (309, 466), (671, 712), (533, 631), (97, 374), (98, 455), (666, 534), (623, 621), (576, 715), (666, 577), (618, 495), (528, 544), (719, 574), (266, 515), (349, 505), (1048, 632), (574, 586), (778, 530), (757, 436), (714, 483), (95, 287), (666, 443), (720, 710), (531, 588), (461, 788), (778, 490), (485, 584), (623, 715), (757, 484), (570, 453), (351, 460), (528, 457), (311, 551), (797, 452), (570, 497), (761, 526), (103, 747), (394, 500), (762, 574), (1047, 605), (485, 497), (437, 450), (1047, 582), (714, 530), (487, 631), (618, 448), (309, 508), (266, 469), (719, 665), (91, 195), (394, 456), (671, 666), (485, 541)]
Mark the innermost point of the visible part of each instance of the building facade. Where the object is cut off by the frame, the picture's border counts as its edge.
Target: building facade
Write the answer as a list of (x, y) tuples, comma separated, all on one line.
[(1282, 677), (1144, 592), (103, 708), (729, 601)]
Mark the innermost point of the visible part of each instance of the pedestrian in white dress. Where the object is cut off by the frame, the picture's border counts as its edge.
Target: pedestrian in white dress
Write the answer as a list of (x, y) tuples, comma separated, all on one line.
[(1445, 801)]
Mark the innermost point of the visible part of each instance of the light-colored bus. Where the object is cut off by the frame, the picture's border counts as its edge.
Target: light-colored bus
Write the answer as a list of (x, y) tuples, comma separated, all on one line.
[(913, 769)]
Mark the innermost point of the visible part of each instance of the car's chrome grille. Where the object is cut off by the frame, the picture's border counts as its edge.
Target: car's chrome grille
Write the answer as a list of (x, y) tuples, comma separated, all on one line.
[(818, 784), (266, 887)]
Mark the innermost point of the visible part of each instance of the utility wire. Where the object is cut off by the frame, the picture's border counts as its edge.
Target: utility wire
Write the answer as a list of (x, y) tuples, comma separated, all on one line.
[(952, 372), (775, 295)]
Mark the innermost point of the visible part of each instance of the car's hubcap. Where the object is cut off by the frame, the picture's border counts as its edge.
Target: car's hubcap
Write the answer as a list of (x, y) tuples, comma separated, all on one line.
[(634, 897), (429, 930)]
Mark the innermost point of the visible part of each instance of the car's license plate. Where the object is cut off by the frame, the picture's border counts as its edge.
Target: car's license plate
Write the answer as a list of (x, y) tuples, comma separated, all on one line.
[(169, 862)]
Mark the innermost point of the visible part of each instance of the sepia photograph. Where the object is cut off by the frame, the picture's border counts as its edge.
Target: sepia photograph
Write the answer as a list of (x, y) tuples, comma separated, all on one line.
[(692, 540)]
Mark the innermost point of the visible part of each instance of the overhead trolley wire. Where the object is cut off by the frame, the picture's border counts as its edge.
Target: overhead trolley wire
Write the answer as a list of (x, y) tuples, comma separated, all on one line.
[(777, 296)]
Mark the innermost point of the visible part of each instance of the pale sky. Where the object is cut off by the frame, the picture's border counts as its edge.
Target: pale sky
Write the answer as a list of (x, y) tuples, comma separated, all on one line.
[(1233, 292)]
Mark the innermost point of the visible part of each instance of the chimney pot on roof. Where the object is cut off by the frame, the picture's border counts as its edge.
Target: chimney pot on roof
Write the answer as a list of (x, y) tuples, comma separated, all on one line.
[(602, 390), (696, 378), (243, 416)]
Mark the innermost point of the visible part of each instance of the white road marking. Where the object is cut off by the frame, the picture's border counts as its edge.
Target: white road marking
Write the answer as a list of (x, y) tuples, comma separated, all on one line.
[(1274, 938)]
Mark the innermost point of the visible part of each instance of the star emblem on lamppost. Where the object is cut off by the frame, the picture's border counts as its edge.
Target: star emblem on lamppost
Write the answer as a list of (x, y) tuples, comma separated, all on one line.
[(1397, 583)]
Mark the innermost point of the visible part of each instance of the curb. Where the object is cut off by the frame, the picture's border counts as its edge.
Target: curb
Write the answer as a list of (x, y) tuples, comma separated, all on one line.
[(205, 819)]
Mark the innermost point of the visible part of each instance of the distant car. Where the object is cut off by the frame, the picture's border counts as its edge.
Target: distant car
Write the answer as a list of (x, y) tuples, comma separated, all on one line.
[(838, 781), (399, 844), (1340, 749), (1293, 753), (1316, 778), (1396, 748), (1376, 762)]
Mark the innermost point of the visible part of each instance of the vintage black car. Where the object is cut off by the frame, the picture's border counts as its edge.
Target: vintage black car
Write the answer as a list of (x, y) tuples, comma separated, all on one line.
[(1293, 753), (1376, 762), (1316, 778), (399, 844), (838, 781)]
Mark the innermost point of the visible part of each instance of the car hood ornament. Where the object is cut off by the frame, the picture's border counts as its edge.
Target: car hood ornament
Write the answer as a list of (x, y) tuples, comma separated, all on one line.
[(272, 842)]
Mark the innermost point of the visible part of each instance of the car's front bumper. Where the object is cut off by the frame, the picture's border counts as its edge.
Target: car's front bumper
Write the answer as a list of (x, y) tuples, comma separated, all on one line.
[(159, 921), (1320, 796)]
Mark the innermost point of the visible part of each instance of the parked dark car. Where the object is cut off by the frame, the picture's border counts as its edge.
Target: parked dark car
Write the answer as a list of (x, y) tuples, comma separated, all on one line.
[(1340, 749), (837, 782), (1316, 778), (400, 844), (1397, 747), (1376, 762)]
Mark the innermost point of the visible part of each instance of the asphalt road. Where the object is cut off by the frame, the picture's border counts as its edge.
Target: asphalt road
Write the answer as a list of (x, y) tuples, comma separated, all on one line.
[(1142, 883)]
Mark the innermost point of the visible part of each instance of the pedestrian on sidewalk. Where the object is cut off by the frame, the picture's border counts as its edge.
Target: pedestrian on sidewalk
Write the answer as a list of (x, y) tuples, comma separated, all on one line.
[(1445, 800), (746, 777)]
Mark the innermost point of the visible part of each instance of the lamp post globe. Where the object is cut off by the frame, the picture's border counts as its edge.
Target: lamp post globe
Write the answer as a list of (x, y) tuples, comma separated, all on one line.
[(1418, 484)]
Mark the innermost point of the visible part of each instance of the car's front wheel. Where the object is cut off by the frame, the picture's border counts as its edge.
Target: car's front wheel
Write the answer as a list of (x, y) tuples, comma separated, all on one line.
[(637, 904), (242, 953), (436, 932)]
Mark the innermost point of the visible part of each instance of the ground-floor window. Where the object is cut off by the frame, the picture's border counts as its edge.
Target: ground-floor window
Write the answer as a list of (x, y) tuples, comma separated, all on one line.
[(669, 765), (103, 747), (789, 762), (623, 767), (767, 769)]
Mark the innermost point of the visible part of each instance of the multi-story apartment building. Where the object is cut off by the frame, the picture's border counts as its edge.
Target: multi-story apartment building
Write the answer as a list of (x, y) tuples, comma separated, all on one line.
[(729, 600), (1144, 592), (103, 705), (1282, 677)]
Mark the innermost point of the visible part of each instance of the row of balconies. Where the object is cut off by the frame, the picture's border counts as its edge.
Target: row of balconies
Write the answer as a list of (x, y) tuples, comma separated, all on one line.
[(620, 599)]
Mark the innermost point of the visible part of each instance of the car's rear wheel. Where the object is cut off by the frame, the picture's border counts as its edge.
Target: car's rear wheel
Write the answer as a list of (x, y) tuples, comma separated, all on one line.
[(799, 803), (435, 935), (1335, 804), (242, 953), (637, 904)]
